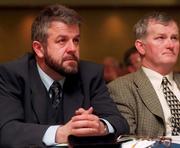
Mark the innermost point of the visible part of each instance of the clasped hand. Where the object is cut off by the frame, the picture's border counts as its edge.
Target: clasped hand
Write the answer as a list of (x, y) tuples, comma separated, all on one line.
[(83, 123)]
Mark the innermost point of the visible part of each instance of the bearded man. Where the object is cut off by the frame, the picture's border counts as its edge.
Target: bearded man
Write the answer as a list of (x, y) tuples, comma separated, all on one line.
[(50, 94)]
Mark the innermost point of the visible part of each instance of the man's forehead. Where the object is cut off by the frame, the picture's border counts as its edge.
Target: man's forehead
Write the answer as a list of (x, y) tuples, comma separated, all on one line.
[(160, 22)]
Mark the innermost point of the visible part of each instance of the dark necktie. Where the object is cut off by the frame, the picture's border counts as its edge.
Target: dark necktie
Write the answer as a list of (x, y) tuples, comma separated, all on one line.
[(174, 105), (55, 93)]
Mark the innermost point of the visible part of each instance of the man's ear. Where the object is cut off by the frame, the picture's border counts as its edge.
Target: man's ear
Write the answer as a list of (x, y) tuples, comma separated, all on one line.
[(38, 49), (140, 46)]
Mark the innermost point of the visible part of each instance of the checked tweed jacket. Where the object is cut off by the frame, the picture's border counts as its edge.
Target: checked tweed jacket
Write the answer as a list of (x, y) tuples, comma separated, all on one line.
[(139, 104)]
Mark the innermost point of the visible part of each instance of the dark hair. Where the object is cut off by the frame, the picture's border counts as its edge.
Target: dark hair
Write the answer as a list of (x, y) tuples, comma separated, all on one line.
[(140, 28), (127, 54), (47, 16)]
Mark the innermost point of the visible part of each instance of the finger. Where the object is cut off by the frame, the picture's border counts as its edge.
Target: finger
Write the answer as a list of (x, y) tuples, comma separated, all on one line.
[(89, 111), (83, 111), (85, 132), (79, 111), (85, 116), (86, 124)]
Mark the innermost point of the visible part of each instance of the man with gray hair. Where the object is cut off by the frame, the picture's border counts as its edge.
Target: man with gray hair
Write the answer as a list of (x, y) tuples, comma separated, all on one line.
[(146, 97)]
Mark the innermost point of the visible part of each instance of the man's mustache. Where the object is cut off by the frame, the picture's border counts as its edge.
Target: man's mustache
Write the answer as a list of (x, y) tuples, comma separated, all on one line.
[(72, 57)]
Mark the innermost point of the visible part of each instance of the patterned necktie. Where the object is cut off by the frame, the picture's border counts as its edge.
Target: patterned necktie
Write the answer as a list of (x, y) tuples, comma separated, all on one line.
[(174, 105), (55, 93)]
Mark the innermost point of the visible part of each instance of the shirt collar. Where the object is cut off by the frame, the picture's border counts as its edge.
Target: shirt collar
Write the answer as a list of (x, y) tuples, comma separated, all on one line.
[(47, 80), (156, 77)]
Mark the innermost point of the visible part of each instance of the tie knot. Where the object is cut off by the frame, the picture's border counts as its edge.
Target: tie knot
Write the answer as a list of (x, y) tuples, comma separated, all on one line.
[(165, 81), (55, 87)]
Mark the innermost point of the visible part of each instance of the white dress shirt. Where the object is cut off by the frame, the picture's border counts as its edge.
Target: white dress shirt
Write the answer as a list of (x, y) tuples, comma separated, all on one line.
[(156, 80), (49, 136)]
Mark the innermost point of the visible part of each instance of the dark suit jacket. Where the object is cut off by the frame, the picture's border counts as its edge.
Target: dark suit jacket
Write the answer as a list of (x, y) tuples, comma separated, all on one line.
[(139, 104), (23, 101)]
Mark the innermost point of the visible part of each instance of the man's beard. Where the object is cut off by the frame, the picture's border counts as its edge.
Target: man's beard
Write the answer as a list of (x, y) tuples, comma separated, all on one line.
[(64, 71)]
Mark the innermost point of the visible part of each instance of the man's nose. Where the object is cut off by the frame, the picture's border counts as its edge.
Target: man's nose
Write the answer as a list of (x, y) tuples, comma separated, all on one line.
[(71, 47), (170, 44)]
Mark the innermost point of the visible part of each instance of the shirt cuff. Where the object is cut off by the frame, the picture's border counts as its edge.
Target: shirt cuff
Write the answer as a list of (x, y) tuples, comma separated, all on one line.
[(109, 126), (49, 136)]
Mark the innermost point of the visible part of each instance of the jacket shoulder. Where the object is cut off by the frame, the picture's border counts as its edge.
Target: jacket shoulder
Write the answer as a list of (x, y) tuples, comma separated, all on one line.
[(87, 65), (90, 68), (19, 66), (126, 79), (89, 71), (20, 61)]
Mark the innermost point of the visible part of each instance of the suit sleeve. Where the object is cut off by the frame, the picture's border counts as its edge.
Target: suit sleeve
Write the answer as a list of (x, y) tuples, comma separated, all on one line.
[(123, 97), (103, 104)]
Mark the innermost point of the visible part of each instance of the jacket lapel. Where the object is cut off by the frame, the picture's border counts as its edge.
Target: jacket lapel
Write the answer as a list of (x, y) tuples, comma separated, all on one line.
[(38, 94), (149, 96)]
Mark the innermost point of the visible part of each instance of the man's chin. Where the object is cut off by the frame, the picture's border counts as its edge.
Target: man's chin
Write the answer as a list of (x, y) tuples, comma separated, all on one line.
[(71, 68), (68, 71)]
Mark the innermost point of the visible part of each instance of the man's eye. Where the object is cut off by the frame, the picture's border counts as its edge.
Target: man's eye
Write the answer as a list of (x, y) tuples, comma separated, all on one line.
[(61, 41), (76, 41), (174, 38), (160, 37)]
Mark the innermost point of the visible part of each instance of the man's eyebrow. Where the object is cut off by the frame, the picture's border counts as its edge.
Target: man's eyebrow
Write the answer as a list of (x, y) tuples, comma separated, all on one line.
[(63, 36)]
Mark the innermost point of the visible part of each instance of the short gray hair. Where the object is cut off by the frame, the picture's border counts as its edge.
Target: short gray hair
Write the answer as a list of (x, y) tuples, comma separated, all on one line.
[(140, 28)]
